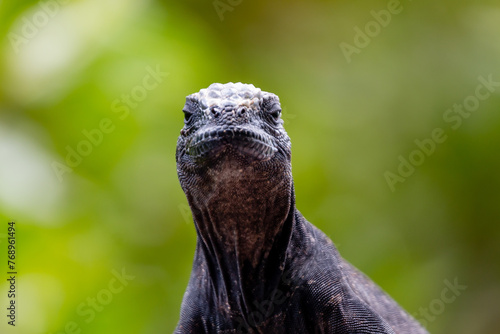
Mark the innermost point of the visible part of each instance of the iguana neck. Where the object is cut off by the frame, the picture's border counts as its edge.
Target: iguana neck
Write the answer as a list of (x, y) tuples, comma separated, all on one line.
[(244, 227)]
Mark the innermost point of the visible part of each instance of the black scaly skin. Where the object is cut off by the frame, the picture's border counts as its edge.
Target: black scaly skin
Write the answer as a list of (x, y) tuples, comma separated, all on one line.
[(259, 266)]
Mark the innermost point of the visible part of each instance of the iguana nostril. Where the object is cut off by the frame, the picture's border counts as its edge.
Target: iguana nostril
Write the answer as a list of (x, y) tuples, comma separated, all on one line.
[(215, 112)]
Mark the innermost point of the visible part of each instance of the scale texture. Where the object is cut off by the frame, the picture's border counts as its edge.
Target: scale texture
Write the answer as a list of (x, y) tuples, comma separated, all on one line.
[(259, 265)]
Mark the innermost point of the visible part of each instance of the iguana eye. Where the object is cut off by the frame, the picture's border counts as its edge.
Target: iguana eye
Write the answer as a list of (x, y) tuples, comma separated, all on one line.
[(187, 116), (275, 113)]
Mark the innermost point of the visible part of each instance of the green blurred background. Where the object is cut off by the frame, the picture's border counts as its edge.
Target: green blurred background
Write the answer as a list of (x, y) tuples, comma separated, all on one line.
[(67, 67)]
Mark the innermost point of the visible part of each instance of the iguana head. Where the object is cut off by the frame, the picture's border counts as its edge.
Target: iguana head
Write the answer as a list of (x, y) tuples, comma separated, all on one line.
[(232, 121)]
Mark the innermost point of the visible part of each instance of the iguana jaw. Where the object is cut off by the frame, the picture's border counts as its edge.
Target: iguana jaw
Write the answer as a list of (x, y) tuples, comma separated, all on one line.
[(246, 140)]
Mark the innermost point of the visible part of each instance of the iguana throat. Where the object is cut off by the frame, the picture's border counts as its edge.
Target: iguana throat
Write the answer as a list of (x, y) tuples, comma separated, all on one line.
[(243, 226)]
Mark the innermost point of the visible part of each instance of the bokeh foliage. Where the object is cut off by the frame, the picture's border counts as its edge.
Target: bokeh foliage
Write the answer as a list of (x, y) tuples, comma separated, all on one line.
[(121, 206)]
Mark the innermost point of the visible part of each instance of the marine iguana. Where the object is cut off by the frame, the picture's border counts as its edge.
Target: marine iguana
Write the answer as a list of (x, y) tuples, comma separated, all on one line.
[(259, 265)]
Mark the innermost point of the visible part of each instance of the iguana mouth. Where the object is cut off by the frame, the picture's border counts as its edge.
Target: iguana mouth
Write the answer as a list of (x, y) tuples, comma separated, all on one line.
[(254, 143)]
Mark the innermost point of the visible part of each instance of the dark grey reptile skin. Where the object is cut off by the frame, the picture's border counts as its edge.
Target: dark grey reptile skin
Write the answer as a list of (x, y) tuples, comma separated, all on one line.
[(259, 265)]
